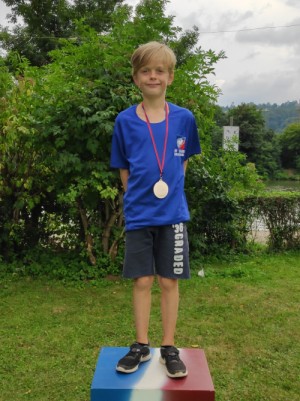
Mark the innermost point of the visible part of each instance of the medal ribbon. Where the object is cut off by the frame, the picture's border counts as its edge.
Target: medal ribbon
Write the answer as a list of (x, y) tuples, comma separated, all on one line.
[(162, 162)]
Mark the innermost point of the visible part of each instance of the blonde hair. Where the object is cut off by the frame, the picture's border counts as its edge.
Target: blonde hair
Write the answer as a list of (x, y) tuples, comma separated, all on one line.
[(144, 53)]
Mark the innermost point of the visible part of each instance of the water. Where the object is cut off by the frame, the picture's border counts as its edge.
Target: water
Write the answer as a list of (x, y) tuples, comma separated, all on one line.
[(283, 185), (260, 232)]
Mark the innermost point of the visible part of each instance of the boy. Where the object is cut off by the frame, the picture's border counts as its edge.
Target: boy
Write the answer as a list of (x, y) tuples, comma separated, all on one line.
[(151, 144)]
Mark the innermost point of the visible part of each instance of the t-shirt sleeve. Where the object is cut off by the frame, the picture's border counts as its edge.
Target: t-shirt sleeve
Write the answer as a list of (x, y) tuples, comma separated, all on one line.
[(118, 157), (193, 143)]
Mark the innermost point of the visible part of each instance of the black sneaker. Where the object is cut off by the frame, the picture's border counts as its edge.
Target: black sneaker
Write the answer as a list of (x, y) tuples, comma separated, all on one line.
[(130, 362), (174, 366)]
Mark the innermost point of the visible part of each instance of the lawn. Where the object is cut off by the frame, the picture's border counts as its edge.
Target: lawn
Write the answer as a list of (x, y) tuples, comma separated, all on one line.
[(244, 313)]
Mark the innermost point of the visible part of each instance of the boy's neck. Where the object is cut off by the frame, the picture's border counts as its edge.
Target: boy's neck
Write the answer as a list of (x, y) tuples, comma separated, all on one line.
[(155, 109), (154, 104)]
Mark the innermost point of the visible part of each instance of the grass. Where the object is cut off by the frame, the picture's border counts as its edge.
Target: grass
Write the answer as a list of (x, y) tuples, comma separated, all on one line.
[(244, 314)]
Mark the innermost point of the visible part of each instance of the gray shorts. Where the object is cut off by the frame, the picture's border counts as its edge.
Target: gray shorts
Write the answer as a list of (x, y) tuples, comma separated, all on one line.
[(162, 250)]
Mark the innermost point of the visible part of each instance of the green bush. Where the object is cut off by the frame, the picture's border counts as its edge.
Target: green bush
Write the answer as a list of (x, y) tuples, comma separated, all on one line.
[(225, 198), (215, 183), (66, 266), (280, 212)]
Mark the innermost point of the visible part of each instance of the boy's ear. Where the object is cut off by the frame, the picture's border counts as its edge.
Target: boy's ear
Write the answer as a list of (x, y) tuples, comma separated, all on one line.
[(171, 78), (135, 80)]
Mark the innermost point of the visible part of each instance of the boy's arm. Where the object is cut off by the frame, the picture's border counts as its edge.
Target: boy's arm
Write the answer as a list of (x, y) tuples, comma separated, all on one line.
[(185, 166), (124, 174)]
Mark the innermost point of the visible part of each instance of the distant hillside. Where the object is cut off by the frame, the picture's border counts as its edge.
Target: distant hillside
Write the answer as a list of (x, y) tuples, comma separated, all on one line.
[(279, 116)]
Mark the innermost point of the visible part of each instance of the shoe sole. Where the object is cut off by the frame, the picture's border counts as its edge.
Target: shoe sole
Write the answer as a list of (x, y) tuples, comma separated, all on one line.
[(176, 375), (143, 359)]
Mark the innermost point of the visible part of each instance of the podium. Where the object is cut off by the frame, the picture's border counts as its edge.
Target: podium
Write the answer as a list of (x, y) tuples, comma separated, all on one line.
[(150, 382)]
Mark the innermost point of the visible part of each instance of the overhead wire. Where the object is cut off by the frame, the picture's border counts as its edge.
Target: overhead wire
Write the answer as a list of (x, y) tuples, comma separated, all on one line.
[(251, 29), (200, 32)]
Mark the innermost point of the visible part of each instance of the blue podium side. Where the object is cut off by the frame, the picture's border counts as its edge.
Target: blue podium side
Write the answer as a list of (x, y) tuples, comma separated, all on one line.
[(150, 382)]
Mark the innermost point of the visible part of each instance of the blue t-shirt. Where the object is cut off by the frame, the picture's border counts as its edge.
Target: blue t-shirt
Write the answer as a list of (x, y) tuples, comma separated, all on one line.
[(132, 149)]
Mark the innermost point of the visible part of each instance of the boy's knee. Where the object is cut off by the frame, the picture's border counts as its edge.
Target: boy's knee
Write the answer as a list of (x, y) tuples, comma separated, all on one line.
[(143, 283), (168, 284)]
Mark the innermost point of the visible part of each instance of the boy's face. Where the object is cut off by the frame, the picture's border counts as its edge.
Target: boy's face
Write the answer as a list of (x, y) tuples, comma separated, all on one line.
[(153, 79)]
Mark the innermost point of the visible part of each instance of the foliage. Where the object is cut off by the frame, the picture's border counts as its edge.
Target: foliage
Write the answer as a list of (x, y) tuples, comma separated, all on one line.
[(258, 143), (281, 214), (290, 146), (58, 196), (6, 83), (278, 117), (288, 175), (215, 182), (255, 140), (22, 170), (56, 187), (225, 197), (65, 266), (34, 40), (221, 120), (98, 14)]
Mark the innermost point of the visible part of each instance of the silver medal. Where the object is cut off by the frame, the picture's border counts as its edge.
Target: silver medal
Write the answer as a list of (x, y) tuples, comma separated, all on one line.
[(161, 189)]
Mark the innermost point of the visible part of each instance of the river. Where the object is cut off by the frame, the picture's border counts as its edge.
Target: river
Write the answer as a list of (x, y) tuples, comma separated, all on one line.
[(283, 185), (259, 232)]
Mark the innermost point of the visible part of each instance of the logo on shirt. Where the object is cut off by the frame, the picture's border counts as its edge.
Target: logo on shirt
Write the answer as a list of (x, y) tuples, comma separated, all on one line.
[(180, 142)]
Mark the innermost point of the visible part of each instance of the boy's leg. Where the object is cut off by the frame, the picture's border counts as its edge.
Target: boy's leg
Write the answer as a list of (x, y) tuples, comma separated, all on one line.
[(138, 265), (169, 308), (142, 307), (139, 350)]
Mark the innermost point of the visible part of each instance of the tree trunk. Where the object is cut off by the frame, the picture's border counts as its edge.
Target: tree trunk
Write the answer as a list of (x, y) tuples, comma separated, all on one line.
[(115, 219), (88, 237)]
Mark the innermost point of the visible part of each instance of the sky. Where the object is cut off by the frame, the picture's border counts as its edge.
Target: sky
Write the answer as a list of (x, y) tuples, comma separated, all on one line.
[(261, 40)]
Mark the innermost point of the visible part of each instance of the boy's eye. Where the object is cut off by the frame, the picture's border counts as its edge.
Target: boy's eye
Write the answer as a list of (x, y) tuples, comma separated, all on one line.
[(157, 70)]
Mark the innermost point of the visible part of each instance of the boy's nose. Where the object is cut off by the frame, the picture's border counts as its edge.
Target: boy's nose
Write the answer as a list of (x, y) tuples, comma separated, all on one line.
[(152, 74)]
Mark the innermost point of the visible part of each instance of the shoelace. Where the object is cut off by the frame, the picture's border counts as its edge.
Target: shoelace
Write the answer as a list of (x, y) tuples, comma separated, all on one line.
[(134, 351), (173, 355)]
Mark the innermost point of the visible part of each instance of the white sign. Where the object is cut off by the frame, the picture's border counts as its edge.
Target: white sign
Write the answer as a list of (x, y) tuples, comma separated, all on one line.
[(231, 137)]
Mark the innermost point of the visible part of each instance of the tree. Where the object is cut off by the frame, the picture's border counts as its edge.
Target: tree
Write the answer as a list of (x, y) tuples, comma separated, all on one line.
[(290, 146), (251, 123), (255, 141), (46, 21), (43, 22), (96, 13), (23, 173), (221, 120), (280, 116)]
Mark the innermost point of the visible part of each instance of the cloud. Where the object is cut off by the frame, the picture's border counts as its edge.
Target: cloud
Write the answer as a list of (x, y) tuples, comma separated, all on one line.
[(251, 56), (230, 19), (207, 23), (292, 3), (192, 19), (276, 36), (273, 87)]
